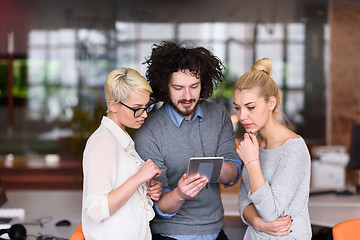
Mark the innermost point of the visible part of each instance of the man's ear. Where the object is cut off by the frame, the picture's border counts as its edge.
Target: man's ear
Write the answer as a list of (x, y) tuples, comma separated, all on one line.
[(272, 102), (113, 106)]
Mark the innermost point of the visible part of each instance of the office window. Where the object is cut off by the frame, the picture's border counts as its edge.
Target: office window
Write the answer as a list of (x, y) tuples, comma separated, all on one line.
[(284, 44), (67, 67), (51, 90), (88, 55)]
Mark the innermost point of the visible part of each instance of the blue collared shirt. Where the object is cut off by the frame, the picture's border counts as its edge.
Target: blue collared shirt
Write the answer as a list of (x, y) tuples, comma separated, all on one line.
[(177, 118)]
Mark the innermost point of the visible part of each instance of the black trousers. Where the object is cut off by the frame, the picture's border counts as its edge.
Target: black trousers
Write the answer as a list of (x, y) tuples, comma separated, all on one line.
[(221, 236)]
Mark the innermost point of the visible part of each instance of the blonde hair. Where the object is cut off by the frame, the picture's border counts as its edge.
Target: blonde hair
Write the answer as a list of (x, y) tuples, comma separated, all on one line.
[(260, 78), (120, 82)]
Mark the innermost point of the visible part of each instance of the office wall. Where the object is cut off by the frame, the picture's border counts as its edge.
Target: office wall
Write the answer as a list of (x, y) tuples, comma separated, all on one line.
[(344, 95)]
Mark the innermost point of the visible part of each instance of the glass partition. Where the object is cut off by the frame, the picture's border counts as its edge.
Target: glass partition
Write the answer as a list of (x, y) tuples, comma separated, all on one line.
[(63, 71)]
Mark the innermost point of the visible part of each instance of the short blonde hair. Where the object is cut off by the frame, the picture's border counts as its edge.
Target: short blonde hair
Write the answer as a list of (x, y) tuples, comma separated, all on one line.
[(120, 82)]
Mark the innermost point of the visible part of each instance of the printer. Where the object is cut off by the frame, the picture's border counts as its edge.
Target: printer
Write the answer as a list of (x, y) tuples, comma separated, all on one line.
[(328, 168)]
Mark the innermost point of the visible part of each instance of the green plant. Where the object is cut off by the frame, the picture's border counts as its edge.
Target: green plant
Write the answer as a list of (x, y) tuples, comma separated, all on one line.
[(226, 88), (83, 124)]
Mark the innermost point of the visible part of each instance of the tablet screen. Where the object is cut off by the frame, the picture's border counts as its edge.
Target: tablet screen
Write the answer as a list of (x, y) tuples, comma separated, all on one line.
[(206, 166)]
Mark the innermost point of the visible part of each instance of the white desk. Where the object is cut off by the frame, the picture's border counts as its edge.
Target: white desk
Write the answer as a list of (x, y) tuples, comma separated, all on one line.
[(327, 210), (41, 204), (324, 210)]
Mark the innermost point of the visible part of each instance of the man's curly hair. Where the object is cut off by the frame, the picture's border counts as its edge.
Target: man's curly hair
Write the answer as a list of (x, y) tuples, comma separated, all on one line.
[(169, 57)]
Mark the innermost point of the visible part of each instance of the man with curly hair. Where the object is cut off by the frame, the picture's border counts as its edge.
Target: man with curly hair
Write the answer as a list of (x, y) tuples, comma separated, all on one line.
[(187, 125)]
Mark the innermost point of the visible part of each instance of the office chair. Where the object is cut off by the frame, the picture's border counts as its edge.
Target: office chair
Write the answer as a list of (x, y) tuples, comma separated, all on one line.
[(347, 230), (78, 234)]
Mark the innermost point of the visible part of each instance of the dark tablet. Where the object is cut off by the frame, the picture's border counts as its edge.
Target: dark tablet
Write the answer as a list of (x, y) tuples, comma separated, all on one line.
[(206, 166)]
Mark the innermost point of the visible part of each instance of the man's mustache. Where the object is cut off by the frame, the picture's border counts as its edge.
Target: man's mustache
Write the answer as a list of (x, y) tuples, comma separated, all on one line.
[(187, 101)]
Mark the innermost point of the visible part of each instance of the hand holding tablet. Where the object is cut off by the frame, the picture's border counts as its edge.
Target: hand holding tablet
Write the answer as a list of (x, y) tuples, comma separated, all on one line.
[(206, 166)]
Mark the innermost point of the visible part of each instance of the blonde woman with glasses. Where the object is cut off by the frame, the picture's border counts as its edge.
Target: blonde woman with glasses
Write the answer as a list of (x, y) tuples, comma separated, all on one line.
[(118, 185)]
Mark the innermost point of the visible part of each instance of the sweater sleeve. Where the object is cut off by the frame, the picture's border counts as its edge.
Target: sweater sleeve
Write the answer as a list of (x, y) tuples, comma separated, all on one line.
[(271, 200), (148, 148), (243, 202)]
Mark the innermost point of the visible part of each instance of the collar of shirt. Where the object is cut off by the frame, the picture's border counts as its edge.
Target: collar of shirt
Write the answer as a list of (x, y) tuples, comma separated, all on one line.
[(122, 136), (177, 118)]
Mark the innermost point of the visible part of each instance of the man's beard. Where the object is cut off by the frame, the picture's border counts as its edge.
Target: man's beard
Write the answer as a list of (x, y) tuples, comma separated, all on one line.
[(187, 110)]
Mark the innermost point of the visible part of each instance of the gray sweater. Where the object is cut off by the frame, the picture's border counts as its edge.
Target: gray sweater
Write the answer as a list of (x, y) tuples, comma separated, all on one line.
[(171, 147), (286, 170)]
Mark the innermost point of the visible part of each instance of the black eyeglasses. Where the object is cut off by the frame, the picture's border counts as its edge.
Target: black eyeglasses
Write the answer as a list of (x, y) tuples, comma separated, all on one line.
[(139, 111)]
